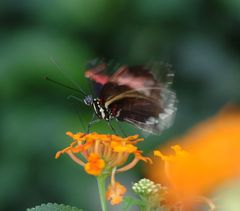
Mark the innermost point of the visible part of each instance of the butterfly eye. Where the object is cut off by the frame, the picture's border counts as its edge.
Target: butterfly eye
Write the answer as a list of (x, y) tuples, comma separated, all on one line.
[(88, 100)]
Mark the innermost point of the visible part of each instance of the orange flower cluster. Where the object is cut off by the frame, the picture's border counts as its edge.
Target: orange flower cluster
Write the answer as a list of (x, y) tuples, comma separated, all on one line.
[(212, 157), (94, 165), (103, 151), (102, 154), (115, 193)]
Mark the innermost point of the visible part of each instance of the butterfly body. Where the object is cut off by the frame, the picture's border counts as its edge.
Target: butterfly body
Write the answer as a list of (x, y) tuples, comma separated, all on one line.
[(133, 95), (101, 111)]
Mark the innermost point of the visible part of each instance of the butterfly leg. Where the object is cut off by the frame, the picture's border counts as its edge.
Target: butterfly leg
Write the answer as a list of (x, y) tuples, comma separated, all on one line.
[(110, 125), (93, 121), (121, 129)]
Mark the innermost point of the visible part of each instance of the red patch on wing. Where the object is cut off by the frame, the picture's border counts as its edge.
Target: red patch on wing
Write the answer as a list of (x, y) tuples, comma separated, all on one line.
[(96, 74)]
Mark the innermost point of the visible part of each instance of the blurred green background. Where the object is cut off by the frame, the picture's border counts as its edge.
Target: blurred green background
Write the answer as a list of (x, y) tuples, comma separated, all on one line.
[(200, 38)]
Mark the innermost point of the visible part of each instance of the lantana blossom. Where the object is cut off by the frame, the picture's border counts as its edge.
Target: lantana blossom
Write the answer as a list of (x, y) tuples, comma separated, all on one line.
[(102, 154)]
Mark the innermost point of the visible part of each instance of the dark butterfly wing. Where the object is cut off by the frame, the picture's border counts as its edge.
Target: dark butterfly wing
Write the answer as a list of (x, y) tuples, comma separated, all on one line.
[(151, 116), (163, 72), (135, 77), (134, 95), (132, 78)]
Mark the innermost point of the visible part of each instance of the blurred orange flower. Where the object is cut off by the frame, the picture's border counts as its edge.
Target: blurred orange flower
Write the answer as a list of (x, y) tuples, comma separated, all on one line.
[(179, 154), (213, 147)]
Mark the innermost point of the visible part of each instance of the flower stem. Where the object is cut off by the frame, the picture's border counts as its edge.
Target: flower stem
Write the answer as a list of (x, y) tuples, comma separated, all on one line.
[(102, 190), (146, 206)]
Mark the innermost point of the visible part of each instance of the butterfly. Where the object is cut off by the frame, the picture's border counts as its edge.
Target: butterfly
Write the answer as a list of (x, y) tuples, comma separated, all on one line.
[(133, 94)]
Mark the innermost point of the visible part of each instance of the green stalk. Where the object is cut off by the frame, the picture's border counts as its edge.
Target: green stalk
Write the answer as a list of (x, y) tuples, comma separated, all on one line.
[(102, 191), (146, 206)]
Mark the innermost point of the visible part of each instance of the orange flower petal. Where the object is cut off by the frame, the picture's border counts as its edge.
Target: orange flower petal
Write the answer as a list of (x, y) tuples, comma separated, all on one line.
[(179, 154), (76, 137), (123, 147), (59, 153), (95, 165), (143, 158), (179, 151), (163, 157)]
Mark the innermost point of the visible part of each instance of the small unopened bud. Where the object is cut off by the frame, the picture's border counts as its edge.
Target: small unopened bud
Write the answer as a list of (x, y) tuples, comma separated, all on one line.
[(147, 187)]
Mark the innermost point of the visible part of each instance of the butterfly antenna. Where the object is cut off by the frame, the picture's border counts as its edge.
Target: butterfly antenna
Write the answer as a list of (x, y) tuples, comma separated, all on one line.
[(72, 97), (61, 69), (61, 84)]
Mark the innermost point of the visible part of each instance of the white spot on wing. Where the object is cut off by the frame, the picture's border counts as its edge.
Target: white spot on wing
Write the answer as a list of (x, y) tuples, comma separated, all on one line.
[(152, 121), (168, 101)]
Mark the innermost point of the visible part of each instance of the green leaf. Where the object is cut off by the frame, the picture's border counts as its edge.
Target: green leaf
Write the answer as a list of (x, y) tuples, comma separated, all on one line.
[(54, 207)]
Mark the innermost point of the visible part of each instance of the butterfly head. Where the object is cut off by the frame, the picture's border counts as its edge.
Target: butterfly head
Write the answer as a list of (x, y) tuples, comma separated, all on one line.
[(88, 100)]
